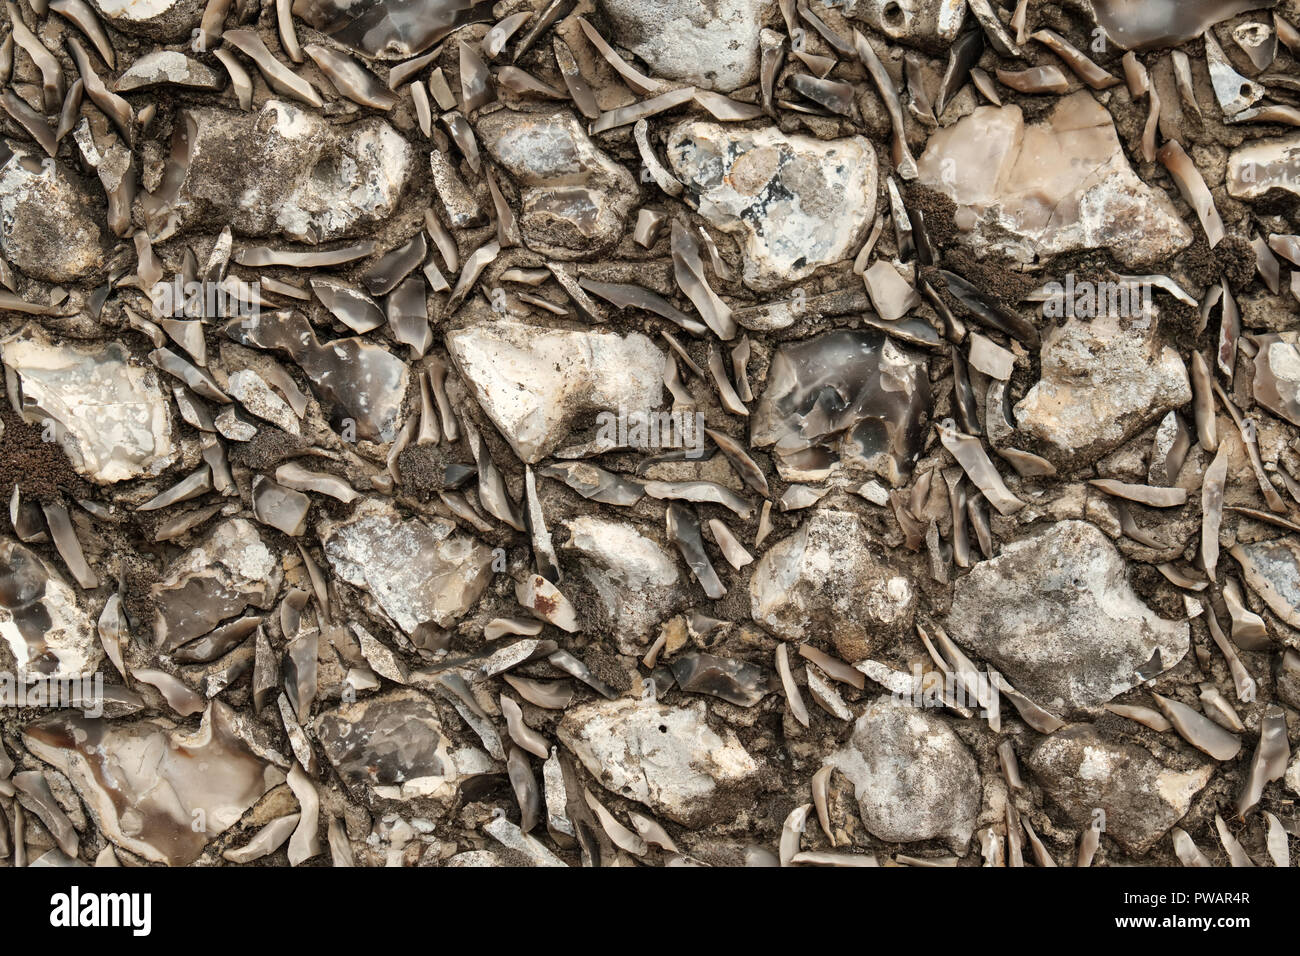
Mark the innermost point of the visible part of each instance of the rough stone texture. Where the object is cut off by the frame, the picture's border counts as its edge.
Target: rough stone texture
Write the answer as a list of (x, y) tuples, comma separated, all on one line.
[(285, 171), (1257, 168), (160, 792), (230, 570), (1082, 771), (1056, 615), (1041, 189), (50, 223), (930, 24), (635, 582), (712, 44), (544, 388), (574, 198), (419, 572), (110, 416), (1272, 570), (824, 579), (668, 758), (912, 776), (168, 20), (794, 203), (1102, 381), (392, 747), (47, 634)]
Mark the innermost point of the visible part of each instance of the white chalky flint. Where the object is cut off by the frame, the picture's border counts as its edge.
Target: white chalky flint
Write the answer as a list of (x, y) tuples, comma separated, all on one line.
[(574, 199), (545, 387), (111, 417), (251, 391), (636, 582), (713, 45), (667, 758), (794, 203), (171, 21), (825, 578), (417, 571), (1102, 380), (1056, 615), (296, 174), (1050, 187), (52, 222), (912, 776)]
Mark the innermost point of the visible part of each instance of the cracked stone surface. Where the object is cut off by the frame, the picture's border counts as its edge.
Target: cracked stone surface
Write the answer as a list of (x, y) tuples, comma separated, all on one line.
[(649, 433)]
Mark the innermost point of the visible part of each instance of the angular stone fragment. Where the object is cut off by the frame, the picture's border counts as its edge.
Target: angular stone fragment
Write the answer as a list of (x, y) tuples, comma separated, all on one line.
[(544, 388), (794, 203), (230, 570), (825, 580), (1082, 772), (420, 572), (1272, 570), (47, 633), (166, 20), (574, 199), (168, 68), (111, 417), (1059, 185), (1157, 24), (1056, 615), (1102, 381), (1264, 165), (50, 219), (636, 583), (713, 45), (390, 29), (366, 383), (286, 170), (1277, 375), (667, 758), (161, 793), (875, 421), (912, 776), (393, 747)]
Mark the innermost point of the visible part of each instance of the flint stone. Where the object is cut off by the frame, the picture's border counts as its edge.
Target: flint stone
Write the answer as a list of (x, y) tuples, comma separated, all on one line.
[(929, 24), (1056, 186), (1264, 165), (713, 44), (419, 572), (824, 578), (794, 203), (50, 219), (542, 386), (574, 199), (1142, 798), (113, 419), (912, 776), (1103, 380), (667, 758), (165, 20), (47, 633), (285, 170), (1056, 615), (231, 570), (636, 583), (393, 747), (159, 792)]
